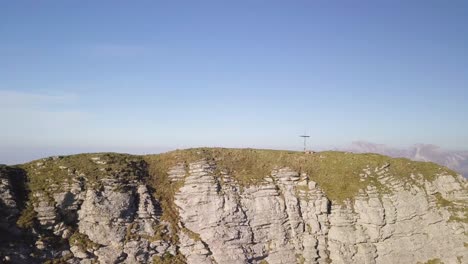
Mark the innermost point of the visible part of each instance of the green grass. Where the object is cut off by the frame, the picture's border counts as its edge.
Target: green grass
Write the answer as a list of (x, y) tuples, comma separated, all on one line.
[(337, 173), (433, 261), (42, 177), (61, 260), (163, 190), (300, 259), (458, 213), (27, 217), (441, 202), (169, 259), (82, 241), (53, 173)]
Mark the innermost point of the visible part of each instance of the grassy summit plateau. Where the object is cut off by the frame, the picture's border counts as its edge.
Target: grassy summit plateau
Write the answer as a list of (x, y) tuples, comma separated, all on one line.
[(337, 173)]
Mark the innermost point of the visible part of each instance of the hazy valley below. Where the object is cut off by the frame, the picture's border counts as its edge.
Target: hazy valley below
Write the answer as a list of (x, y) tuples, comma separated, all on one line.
[(455, 160)]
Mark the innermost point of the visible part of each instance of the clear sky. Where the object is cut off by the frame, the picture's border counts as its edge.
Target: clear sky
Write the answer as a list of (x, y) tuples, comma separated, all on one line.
[(156, 75)]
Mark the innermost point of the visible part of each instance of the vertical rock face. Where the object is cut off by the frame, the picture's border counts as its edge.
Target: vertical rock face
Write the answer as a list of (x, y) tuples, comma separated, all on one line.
[(288, 219), (113, 219), (12, 242), (119, 221), (8, 206), (109, 214), (273, 221), (6, 196)]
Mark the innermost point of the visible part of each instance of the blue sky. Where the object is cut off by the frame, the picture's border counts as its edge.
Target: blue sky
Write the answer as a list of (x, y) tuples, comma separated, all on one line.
[(155, 75)]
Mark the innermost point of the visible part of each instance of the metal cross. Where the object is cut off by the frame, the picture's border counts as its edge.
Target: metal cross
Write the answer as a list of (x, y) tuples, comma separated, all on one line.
[(305, 141)]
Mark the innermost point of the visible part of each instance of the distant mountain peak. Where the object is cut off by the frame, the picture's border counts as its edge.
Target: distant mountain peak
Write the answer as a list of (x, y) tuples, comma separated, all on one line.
[(455, 160)]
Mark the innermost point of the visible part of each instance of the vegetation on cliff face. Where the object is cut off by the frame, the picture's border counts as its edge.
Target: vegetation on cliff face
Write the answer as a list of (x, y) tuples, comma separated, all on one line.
[(27, 217), (50, 175), (337, 173), (47, 172), (459, 211), (169, 259), (164, 189), (432, 261), (82, 241)]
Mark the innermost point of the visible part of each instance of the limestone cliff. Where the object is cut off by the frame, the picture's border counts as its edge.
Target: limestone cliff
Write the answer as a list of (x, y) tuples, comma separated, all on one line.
[(232, 206)]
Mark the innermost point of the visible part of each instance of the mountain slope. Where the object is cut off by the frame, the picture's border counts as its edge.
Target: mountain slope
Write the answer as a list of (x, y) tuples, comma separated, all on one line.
[(455, 160), (232, 206)]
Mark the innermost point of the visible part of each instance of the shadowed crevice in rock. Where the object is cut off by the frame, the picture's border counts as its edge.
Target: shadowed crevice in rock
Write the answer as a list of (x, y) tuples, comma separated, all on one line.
[(288, 219), (14, 242), (104, 208), (13, 195)]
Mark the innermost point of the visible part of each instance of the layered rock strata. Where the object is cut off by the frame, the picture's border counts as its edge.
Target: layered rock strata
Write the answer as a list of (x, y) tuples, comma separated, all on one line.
[(284, 218)]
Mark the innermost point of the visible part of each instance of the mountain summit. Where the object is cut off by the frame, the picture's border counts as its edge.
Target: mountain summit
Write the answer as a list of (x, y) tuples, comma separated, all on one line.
[(213, 205)]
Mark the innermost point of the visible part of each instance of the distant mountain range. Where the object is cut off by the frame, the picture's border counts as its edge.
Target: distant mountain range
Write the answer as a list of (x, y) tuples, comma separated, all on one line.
[(455, 160)]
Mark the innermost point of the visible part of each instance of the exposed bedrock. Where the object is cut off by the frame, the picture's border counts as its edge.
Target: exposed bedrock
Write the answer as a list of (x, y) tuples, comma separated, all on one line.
[(110, 213)]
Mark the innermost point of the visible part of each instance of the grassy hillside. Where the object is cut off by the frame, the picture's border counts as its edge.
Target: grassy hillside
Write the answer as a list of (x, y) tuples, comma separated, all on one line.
[(48, 172), (337, 173)]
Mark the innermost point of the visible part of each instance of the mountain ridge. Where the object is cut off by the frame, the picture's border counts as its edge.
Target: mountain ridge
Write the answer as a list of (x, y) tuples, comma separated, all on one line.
[(455, 160), (186, 206)]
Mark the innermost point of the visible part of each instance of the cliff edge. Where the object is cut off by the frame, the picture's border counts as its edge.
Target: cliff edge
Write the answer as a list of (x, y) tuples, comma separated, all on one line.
[(212, 205)]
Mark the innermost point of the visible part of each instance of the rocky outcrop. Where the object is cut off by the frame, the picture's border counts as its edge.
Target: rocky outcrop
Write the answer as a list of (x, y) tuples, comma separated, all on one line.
[(108, 213), (81, 219), (288, 219)]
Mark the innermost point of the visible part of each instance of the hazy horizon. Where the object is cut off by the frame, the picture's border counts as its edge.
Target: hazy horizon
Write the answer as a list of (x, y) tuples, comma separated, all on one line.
[(456, 160)]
